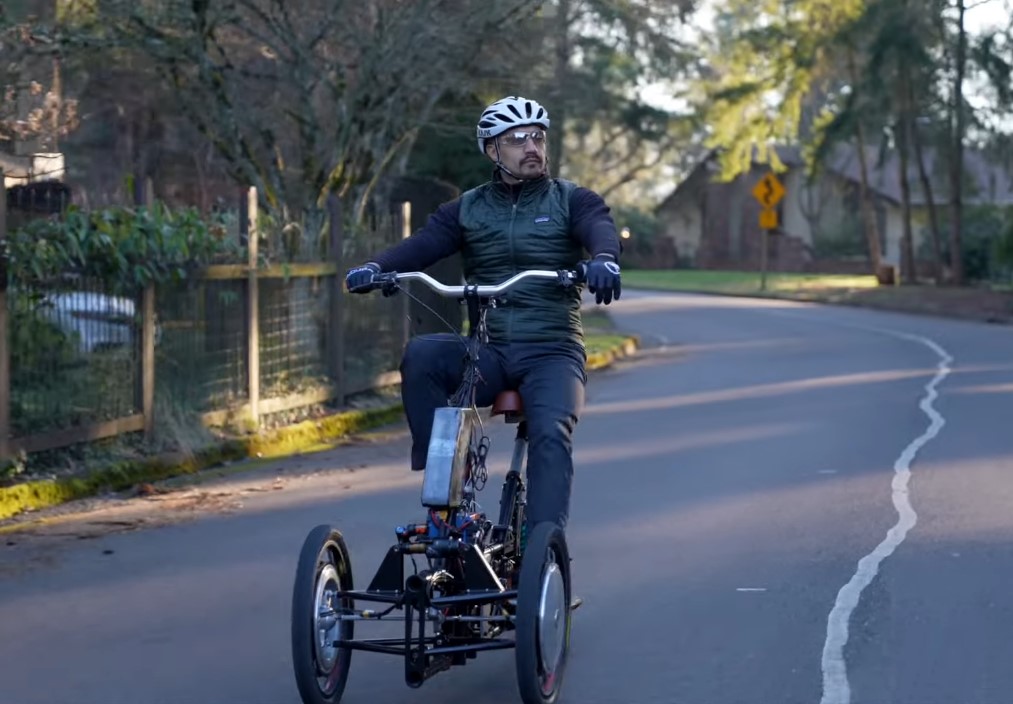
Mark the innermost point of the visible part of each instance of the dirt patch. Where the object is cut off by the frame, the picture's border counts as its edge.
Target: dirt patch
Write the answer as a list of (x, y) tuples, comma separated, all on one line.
[(977, 304), (970, 303), (38, 539), (211, 490)]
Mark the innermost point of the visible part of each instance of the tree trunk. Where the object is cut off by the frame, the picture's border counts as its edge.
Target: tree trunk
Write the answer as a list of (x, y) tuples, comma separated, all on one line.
[(937, 245), (957, 162), (868, 214), (558, 112), (53, 144), (909, 272)]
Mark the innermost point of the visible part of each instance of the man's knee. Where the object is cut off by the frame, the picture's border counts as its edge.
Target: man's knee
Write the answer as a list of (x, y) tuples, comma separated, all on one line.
[(424, 353), (553, 410), (551, 433)]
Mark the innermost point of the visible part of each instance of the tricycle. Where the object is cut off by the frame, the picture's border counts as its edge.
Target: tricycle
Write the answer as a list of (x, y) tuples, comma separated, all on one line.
[(488, 582)]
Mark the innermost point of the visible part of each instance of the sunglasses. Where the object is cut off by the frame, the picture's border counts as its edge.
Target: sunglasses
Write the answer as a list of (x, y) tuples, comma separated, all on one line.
[(519, 138)]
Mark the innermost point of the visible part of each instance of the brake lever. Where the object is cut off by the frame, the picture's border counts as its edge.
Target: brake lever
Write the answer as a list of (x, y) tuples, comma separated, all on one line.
[(390, 288), (387, 284), (567, 279)]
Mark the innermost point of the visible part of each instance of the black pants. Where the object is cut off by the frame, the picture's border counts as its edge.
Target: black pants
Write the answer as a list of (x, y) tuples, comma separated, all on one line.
[(550, 378)]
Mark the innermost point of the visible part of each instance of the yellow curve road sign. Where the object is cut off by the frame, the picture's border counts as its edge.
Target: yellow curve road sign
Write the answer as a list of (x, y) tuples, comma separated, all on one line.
[(768, 191)]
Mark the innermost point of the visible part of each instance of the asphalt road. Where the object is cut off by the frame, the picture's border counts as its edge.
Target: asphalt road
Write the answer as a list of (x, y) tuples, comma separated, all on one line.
[(745, 529)]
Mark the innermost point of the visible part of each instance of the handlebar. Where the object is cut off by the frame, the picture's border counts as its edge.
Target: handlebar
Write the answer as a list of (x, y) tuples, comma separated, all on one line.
[(566, 277)]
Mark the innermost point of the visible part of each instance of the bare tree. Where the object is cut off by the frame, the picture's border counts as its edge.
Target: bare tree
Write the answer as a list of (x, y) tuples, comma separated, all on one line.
[(958, 130), (30, 110), (302, 98)]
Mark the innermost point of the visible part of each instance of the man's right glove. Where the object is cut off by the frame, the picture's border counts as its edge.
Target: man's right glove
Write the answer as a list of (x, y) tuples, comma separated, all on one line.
[(603, 279), (360, 279)]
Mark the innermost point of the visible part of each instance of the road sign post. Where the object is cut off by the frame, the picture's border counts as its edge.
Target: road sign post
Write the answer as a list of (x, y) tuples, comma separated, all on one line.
[(768, 192)]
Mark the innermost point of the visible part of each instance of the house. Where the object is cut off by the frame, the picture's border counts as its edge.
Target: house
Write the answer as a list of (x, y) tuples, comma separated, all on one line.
[(20, 170), (34, 186), (716, 225)]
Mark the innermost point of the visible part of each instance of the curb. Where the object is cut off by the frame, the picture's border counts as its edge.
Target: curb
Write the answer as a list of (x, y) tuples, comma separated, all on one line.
[(600, 360), (280, 443), (283, 442)]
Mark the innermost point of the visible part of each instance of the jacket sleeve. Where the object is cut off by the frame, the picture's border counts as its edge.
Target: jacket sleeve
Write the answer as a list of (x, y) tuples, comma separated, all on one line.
[(440, 237), (592, 225)]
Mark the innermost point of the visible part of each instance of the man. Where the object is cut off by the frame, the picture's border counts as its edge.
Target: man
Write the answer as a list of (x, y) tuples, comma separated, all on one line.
[(521, 219)]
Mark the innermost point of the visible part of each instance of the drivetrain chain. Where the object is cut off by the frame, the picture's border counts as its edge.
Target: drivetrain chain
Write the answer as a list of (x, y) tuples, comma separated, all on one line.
[(479, 472)]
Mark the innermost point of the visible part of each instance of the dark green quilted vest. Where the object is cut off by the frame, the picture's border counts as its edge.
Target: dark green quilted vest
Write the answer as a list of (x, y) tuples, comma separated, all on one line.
[(503, 238)]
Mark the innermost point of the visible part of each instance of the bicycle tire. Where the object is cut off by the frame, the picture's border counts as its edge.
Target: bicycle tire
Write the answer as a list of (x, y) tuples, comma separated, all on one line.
[(543, 621), (324, 556)]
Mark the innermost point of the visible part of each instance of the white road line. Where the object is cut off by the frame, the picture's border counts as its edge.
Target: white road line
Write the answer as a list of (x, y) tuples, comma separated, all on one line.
[(836, 689)]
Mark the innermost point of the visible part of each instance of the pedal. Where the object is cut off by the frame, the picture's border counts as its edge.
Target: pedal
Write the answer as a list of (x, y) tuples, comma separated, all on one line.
[(575, 603)]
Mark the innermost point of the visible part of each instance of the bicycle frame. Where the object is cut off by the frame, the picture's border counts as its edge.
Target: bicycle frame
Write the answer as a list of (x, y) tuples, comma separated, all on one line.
[(471, 558)]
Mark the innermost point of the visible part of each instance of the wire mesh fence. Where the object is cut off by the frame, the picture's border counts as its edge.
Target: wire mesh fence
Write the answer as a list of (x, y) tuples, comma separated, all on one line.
[(201, 353), (375, 327), (293, 335), (73, 355), (77, 350)]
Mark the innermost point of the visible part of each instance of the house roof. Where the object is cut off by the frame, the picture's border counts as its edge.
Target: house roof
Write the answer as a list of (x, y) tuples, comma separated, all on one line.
[(985, 182), (18, 167), (789, 155), (27, 168)]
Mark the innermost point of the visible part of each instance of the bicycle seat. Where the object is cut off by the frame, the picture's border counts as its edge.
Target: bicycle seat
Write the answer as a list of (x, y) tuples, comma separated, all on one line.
[(509, 404)]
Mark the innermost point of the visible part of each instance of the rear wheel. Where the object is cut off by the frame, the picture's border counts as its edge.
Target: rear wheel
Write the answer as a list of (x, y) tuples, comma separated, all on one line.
[(324, 569), (543, 615)]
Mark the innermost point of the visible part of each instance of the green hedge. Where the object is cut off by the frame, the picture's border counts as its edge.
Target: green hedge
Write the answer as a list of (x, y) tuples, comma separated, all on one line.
[(127, 247)]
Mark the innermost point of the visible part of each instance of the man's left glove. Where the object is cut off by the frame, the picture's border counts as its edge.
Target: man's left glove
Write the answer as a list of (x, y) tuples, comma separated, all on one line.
[(603, 279)]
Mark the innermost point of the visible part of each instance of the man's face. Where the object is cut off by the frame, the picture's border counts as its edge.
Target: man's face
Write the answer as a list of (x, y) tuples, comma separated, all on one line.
[(521, 149)]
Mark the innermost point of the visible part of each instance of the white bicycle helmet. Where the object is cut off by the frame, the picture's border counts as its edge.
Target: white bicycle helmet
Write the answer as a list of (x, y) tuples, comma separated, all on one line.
[(507, 113)]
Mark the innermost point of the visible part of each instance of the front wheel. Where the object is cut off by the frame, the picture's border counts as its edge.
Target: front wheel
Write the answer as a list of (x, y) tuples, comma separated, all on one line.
[(543, 615), (324, 569)]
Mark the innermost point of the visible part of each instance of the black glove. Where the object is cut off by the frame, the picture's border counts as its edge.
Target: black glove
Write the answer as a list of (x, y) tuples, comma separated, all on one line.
[(361, 278), (603, 279)]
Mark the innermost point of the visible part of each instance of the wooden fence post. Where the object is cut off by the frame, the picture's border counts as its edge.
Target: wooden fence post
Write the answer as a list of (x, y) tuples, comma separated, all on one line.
[(5, 369), (253, 308), (146, 196), (148, 360), (336, 317), (244, 216)]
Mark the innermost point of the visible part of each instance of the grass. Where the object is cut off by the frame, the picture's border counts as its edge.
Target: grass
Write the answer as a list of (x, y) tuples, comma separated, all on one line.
[(743, 282), (988, 303), (600, 335), (602, 342), (596, 319)]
